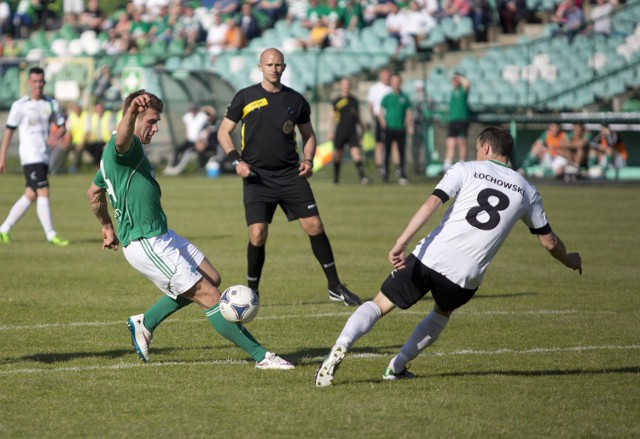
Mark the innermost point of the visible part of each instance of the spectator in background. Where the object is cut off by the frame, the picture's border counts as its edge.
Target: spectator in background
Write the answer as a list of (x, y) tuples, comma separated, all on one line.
[(9, 48), (6, 19), (511, 13), (233, 38), (248, 24), (123, 24), (574, 148), (482, 16), (76, 136), (395, 119), (139, 30), (101, 125), (206, 144), (273, 9), (570, 19), (227, 7), (194, 121), (92, 18), (606, 149), (114, 45), (216, 36), (545, 148), (187, 27), (161, 28), (352, 18), (601, 17), (456, 8), (106, 86), (24, 19), (458, 121), (416, 24), (418, 110), (374, 97)]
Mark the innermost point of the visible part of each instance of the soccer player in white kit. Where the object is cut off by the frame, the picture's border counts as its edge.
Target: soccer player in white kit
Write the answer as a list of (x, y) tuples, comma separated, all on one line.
[(33, 115), (451, 261)]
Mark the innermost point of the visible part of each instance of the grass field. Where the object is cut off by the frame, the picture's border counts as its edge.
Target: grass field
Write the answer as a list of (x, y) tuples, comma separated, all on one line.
[(539, 352)]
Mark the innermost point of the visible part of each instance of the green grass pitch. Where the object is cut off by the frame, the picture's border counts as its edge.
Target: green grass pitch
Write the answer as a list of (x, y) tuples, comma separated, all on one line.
[(539, 352)]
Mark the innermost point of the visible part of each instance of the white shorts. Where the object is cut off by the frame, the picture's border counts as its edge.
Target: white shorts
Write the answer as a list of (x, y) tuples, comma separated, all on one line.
[(169, 261), (558, 164)]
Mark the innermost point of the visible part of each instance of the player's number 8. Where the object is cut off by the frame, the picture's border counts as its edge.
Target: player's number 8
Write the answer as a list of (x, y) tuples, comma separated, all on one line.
[(493, 211)]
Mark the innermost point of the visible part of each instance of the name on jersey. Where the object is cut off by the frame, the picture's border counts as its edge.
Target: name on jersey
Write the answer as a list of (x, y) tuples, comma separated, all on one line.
[(498, 182)]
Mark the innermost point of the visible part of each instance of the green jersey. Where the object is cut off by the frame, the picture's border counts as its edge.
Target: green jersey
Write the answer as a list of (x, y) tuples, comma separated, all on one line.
[(458, 108), (395, 109), (134, 192)]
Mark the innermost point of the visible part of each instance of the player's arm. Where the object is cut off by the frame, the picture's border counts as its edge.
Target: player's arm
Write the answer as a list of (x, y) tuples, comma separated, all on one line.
[(308, 149), (465, 82), (419, 219), (331, 123), (98, 202), (556, 248), (6, 141), (124, 132), (408, 120)]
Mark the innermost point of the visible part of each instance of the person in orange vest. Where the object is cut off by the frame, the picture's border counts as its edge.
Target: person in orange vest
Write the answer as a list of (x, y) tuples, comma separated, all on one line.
[(545, 148), (606, 149)]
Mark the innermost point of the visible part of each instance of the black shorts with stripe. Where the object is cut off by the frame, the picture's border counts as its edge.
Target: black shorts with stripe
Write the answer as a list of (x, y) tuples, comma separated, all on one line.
[(266, 189), (36, 175), (405, 287)]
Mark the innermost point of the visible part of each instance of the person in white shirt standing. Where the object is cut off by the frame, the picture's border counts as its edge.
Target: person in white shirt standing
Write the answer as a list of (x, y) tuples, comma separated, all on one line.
[(33, 115), (451, 261), (374, 97)]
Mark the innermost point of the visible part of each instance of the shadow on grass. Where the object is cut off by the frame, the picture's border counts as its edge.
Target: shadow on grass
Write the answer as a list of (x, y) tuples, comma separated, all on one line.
[(535, 373)]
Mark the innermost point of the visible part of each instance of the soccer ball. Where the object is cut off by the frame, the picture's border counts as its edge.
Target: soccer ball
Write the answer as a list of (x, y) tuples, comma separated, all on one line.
[(239, 304)]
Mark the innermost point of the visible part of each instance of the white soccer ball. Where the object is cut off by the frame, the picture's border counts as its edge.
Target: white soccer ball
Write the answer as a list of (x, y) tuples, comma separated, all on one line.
[(239, 304)]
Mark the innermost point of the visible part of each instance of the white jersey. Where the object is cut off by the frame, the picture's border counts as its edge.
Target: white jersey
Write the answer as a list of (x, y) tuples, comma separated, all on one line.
[(33, 120), (375, 95), (489, 198)]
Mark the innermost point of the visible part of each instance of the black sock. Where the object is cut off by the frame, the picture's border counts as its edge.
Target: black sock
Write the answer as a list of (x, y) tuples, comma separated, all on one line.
[(255, 262), (323, 253), (336, 172), (360, 168)]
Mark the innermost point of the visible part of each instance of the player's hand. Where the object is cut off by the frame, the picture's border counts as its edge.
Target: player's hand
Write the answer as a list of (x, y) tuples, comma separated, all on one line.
[(243, 169), (575, 262), (397, 257), (306, 169), (140, 103), (109, 239)]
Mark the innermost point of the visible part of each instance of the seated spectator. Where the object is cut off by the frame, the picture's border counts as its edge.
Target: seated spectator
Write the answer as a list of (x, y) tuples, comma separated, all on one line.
[(106, 86), (92, 18), (456, 8), (273, 9), (24, 19), (187, 27), (417, 23), (351, 16), (195, 120), (160, 27), (9, 48), (606, 149), (227, 7), (569, 18), (601, 17), (123, 22), (511, 13), (139, 30), (248, 24), (545, 149), (114, 44), (206, 145), (233, 38), (378, 9), (482, 16), (316, 11), (6, 19), (574, 149), (216, 36)]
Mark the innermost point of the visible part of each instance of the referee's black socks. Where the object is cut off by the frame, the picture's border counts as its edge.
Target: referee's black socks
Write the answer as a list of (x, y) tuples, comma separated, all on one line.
[(323, 253)]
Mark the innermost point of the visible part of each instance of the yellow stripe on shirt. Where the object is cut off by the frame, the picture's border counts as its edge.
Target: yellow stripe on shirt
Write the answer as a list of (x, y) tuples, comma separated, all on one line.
[(254, 105)]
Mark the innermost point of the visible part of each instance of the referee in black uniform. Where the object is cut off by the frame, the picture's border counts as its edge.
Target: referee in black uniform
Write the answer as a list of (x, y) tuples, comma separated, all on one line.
[(345, 117), (271, 169)]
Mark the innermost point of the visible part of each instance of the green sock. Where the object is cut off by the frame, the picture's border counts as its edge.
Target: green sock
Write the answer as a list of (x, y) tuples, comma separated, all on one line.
[(235, 333), (530, 160), (592, 161), (163, 308)]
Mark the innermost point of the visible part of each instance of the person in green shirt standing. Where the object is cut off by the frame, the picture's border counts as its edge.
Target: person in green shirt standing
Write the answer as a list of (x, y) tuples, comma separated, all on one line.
[(176, 266), (395, 120), (458, 121)]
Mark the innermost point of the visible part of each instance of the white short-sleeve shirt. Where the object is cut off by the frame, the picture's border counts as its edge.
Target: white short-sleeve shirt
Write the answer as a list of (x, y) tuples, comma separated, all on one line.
[(489, 199), (375, 95), (33, 120)]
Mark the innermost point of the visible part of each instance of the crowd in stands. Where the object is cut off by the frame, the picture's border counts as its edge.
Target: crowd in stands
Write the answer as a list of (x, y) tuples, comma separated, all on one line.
[(575, 153)]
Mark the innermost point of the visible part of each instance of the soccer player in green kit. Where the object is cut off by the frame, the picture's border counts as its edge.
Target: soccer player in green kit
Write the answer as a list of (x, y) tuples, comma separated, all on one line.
[(172, 263)]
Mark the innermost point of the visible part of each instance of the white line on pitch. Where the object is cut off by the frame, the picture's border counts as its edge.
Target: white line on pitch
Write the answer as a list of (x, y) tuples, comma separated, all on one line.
[(317, 359), (298, 316)]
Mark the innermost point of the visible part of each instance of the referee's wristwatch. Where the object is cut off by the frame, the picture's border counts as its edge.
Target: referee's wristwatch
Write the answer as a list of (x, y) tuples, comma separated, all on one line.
[(236, 162)]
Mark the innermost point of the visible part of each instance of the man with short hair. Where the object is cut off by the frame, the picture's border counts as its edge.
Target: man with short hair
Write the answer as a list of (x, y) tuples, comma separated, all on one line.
[(452, 260), (176, 266), (273, 174), (33, 115)]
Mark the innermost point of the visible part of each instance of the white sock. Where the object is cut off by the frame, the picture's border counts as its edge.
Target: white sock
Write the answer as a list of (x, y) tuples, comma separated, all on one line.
[(446, 164), (44, 213), (17, 211), (425, 334), (360, 322)]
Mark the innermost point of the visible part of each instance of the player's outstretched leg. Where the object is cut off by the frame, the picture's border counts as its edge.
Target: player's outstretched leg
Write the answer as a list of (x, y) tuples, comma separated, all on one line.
[(329, 366)]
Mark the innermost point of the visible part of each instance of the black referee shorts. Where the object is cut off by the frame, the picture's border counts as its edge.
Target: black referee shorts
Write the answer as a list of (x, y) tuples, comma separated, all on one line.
[(344, 138), (266, 189), (405, 287)]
